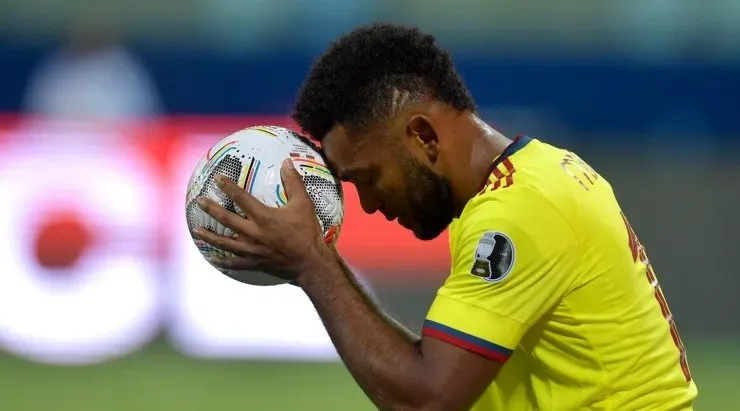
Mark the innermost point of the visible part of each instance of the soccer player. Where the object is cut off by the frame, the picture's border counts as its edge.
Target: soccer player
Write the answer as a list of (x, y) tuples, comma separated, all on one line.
[(551, 302)]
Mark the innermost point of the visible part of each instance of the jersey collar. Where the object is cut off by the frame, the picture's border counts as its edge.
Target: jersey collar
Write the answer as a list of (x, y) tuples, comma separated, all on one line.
[(519, 143)]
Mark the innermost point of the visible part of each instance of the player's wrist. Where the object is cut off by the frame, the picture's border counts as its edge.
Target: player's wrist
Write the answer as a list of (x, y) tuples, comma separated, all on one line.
[(317, 270)]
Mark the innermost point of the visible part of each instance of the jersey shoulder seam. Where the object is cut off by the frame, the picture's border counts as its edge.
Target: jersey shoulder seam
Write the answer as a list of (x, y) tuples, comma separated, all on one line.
[(503, 194)]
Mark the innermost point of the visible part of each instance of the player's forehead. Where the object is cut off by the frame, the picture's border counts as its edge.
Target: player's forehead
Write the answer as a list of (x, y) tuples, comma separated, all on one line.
[(345, 152)]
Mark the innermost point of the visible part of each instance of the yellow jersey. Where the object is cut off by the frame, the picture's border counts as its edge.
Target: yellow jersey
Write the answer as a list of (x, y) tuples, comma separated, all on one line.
[(548, 277)]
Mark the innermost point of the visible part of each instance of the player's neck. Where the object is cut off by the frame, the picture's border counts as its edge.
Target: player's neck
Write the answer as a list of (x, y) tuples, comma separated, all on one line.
[(484, 144)]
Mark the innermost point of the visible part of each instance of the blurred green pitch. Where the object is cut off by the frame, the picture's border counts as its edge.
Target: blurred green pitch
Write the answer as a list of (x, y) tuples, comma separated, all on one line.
[(159, 379)]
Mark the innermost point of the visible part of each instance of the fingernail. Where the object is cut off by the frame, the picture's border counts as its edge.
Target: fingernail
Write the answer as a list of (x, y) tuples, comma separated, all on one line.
[(288, 164), (196, 231), (219, 179), (201, 202)]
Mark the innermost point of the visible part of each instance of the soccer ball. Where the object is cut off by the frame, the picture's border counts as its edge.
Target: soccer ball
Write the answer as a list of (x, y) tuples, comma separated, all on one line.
[(252, 158)]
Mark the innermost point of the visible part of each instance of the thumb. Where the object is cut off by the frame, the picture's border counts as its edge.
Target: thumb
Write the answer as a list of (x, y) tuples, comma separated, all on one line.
[(292, 180)]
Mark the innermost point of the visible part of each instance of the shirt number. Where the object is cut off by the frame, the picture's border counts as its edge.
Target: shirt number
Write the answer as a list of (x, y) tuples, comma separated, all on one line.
[(638, 251)]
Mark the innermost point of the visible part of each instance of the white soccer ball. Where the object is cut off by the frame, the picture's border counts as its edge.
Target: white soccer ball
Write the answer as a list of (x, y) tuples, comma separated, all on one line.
[(252, 158)]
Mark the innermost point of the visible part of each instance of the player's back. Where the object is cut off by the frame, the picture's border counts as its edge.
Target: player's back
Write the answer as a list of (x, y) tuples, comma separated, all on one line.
[(615, 318), (606, 339)]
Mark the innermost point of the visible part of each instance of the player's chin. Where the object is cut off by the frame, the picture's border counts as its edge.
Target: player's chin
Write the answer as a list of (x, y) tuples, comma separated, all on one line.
[(424, 232), (426, 235)]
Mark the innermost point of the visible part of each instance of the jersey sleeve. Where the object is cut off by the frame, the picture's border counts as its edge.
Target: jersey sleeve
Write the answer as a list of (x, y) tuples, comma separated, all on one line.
[(514, 255)]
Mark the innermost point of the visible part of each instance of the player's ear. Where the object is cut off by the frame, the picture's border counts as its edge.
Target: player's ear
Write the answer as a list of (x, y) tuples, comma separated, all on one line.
[(423, 136)]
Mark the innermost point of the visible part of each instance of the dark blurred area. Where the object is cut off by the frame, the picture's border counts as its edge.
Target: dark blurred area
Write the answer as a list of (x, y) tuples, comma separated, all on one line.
[(119, 99), (620, 69)]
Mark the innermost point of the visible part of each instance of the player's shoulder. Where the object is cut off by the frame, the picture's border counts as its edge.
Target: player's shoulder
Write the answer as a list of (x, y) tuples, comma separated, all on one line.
[(517, 218), (522, 184)]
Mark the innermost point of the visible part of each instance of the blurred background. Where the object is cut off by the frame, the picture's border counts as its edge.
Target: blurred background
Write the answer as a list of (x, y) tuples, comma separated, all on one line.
[(106, 106)]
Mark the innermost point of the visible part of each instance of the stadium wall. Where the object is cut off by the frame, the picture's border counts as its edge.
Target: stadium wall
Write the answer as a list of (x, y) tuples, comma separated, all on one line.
[(613, 99)]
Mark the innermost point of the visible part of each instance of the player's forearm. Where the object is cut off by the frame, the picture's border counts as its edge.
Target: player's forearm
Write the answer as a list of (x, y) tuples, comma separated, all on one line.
[(386, 365), (369, 298)]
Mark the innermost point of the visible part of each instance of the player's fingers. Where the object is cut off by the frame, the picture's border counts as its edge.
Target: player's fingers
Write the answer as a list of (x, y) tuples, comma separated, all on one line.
[(221, 242), (231, 220), (292, 181), (234, 263), (250, 205), (245, 263)]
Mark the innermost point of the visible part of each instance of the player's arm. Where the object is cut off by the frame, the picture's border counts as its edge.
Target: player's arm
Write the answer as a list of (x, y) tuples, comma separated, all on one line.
[(474, 323), (371, 301), (390, 368)]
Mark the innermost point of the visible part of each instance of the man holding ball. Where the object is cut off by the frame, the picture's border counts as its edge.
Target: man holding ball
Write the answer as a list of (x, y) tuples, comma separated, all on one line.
[(551, 302)]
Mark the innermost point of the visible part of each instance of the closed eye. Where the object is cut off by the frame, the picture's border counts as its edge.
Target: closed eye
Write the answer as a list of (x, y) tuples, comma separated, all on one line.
[(352, 175)]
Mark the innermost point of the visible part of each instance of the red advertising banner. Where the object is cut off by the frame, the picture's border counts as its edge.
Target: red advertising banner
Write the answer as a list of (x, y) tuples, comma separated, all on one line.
[(96, 260), (162, 154)]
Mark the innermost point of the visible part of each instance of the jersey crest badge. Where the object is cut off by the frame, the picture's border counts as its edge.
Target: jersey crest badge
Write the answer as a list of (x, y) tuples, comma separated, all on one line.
[(494, 257)]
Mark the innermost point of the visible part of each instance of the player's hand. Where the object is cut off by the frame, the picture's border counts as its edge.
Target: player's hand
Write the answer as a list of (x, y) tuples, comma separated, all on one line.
[(285, 242)]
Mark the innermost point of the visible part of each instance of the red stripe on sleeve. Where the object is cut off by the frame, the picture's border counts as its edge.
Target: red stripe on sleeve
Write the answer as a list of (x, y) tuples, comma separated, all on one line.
[(466, 345)]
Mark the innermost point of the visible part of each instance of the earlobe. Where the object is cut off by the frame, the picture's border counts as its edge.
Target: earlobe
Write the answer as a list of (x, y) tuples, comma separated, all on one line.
[(424, 136)]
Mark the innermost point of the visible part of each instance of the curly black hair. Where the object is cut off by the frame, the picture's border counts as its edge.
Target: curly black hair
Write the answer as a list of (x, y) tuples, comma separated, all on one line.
[(354, 81)]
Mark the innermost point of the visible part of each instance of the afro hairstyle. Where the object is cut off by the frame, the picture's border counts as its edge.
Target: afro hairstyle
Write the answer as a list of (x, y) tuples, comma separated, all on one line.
[(354, 82)]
